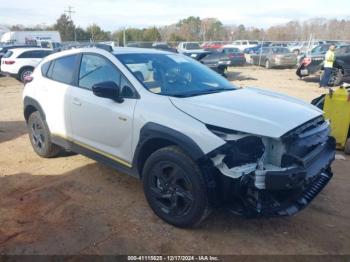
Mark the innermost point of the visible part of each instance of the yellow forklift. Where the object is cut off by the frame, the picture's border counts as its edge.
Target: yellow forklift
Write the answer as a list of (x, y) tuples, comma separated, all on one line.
[(336, 106)]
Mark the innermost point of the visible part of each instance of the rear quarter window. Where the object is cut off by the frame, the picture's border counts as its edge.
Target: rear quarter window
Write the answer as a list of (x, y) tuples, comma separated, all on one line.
[(45, 68)]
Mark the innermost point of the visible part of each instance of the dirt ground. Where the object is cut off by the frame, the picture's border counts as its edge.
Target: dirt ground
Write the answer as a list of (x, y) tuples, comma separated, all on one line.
[(73, 205)]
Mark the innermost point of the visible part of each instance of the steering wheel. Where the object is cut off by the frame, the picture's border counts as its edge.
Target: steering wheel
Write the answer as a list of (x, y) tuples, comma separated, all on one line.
[(175, 75)]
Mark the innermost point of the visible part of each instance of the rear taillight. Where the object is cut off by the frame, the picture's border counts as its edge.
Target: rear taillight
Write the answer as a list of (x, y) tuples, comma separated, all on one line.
[(9, 62), (307, 61), (27, 79)]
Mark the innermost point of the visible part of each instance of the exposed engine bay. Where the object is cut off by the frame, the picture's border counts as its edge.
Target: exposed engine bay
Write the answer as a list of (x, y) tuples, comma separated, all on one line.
[(274, 176)]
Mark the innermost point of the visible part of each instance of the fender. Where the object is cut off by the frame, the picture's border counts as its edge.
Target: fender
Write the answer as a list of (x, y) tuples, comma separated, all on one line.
[(30, 102), (156, 131)]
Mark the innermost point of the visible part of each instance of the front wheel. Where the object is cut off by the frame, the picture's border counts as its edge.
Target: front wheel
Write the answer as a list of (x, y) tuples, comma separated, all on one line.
[(40, 136), (174, 187)]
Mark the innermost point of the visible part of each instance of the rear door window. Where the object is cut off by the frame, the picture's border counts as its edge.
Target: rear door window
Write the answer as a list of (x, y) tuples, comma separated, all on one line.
[(27, 54), (62, 69), (40, 53)]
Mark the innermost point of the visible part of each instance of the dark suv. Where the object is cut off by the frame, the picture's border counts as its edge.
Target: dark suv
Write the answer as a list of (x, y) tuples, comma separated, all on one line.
[(313, 64)]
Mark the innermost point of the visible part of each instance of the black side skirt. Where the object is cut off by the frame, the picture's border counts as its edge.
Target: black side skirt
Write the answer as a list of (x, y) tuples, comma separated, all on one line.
[(71, 146)]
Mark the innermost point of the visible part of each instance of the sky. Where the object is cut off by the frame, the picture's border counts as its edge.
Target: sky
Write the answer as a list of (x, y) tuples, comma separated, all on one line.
[(115, 14)]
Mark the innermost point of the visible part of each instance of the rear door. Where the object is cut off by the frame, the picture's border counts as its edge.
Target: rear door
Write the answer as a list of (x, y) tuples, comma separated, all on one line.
[(38, 55), (100, 124), (54, 93), (26, 59)]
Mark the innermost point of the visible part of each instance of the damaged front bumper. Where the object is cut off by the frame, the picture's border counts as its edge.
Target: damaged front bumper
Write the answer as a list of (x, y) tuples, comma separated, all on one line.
[(265, 189), (304, 170)]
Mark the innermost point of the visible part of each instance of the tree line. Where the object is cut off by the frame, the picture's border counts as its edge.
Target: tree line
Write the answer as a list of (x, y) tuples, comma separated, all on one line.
[(196, 29)]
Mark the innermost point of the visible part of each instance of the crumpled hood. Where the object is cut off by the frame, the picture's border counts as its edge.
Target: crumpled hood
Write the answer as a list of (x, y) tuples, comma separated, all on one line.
[(249, 110)]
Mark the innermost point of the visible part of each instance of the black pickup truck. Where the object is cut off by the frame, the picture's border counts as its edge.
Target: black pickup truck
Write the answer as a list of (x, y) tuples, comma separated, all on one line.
[(313, 64)]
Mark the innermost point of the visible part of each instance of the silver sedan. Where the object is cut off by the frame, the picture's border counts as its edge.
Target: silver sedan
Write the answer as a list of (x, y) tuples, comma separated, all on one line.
[(274, 57)]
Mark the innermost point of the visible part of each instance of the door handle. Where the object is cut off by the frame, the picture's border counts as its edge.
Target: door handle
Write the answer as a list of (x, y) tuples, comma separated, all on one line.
[(76, 101)]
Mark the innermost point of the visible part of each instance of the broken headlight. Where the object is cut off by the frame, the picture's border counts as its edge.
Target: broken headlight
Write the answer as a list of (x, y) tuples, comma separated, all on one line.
[(241, 149)]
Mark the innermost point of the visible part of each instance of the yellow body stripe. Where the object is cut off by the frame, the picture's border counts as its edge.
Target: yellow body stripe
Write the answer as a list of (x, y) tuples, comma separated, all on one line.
[(121, 161)]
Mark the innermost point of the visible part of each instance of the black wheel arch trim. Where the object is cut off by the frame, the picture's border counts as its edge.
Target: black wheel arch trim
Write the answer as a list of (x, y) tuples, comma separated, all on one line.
[(153, 130), (30, 102)]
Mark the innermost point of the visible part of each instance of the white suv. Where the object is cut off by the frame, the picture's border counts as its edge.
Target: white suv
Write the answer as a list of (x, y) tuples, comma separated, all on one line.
[(243, 44), (20, 62), (189, 47), (195, 140)]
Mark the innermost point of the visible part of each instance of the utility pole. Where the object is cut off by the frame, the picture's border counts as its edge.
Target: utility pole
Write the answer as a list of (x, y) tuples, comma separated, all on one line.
[(70, 12), (124, 40)]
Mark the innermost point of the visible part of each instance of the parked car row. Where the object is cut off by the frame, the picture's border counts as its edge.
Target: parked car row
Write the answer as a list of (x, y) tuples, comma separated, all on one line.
[(20, 60)]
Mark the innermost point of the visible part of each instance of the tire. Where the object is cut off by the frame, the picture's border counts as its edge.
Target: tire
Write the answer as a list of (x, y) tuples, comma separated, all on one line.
[(24, 72), (267, 64), (336, 77), (175, 188), (221, 70), (296, 51), (347, 147), (40, 136)]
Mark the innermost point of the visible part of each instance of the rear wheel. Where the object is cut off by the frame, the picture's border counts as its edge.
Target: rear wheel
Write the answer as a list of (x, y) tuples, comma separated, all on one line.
[(174, 187), (336, 77), (221, 70), (25, 72), (40, 136)]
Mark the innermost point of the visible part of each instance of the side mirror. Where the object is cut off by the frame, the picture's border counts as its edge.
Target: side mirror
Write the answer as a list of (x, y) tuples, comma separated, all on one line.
[(109, 90)]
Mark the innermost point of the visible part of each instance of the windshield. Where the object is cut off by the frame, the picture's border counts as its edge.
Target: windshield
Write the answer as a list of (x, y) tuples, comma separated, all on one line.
[(174, 74), (192, 46)]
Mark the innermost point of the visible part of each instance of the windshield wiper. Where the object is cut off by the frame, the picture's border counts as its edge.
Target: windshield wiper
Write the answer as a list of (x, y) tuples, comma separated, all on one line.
[(212, 91)]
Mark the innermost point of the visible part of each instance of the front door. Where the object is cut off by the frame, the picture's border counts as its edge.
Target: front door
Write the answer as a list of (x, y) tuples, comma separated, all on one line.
[(100, 124)]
